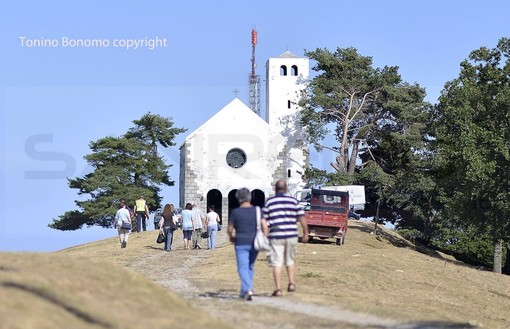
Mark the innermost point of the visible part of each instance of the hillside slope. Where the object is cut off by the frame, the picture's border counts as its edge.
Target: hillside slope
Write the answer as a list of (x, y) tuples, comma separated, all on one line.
[(367, 283), (60, 290)]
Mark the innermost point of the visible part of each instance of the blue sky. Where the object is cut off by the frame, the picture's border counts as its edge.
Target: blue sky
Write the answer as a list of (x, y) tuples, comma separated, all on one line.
[(55, 100)]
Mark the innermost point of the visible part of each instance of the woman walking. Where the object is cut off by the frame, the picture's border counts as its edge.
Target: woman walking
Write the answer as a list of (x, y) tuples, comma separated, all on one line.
[(168, 224), (211, 222), (243, 221), (187, 225)]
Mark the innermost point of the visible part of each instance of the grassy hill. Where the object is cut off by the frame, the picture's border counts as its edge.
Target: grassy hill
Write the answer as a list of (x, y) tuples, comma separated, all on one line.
[(60, 290), (369, 282)]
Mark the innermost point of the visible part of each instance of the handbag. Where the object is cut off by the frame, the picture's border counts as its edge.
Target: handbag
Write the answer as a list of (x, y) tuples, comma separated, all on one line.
[(218, 223), (126, 226), (205, 235), (161, 237), (261, 242)]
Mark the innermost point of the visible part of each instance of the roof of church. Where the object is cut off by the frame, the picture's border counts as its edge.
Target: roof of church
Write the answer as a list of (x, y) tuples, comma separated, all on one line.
[(288, 54), (234, 116)]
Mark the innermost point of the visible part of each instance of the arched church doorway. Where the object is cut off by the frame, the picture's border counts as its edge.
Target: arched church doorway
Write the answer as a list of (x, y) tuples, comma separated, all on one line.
[(232, 201), (214, 198), (258, 198)]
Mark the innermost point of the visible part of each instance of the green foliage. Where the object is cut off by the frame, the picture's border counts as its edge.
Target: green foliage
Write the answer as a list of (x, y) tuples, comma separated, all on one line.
[(468, 244), (379, 122), (345, 94), (472, 142), (124, 168), (315, 177), (318, 177), (439, 171), (373, 174), (411, 234), (358, 102), (153, 129), (472, 147), (70, 220)]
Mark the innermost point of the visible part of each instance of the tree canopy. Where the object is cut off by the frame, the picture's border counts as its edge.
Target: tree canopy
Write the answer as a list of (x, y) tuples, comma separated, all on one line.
[(124, 167), (441, 170), (472, 143), (358, 102), (378, 121)]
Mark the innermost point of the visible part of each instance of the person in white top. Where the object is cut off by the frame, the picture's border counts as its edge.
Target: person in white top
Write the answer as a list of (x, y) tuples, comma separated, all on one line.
[(122, 216), (211, 221)]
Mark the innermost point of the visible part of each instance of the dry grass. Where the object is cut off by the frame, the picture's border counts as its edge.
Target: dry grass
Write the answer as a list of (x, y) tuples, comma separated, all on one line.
[(59, 290), (385, 278)]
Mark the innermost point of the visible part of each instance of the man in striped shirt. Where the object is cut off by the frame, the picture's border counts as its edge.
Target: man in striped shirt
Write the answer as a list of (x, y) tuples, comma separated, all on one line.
[(280, 216)]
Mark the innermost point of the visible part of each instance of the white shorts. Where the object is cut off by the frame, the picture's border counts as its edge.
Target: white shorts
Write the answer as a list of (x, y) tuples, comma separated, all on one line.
[(283, 251)]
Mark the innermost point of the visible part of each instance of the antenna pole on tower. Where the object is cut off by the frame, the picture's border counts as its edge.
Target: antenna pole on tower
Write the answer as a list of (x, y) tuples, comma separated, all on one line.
[(254, 79)]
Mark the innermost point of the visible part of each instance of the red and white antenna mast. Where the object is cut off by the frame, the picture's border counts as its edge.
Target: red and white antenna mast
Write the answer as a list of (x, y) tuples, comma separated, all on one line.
[(254, 79)]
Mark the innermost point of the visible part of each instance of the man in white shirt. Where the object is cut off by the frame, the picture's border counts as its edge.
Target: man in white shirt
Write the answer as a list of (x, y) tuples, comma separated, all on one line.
[(198, 224), (122, 216)]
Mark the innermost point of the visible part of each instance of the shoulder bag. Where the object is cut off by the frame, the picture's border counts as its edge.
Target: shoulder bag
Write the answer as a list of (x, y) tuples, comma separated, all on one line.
[(261, 242), (161, 237), (218, 222)]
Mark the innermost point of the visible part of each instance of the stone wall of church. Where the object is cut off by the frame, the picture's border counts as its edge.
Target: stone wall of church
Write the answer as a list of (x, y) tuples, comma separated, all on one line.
[(188, 182), (281, 170)]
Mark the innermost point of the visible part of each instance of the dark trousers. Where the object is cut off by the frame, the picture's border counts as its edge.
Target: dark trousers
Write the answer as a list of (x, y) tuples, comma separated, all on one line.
[(141, 222)]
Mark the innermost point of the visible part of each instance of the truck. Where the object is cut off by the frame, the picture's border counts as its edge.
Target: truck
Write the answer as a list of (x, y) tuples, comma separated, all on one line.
[(356, 195), (327, 214), (328, 209)]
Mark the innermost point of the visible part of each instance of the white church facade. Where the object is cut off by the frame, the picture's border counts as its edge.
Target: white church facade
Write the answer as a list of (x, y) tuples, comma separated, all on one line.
[(237, 148)]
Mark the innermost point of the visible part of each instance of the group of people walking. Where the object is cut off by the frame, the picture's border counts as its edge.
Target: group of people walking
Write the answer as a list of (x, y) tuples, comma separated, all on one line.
[(195, 225), (277, 219), (124, 219)]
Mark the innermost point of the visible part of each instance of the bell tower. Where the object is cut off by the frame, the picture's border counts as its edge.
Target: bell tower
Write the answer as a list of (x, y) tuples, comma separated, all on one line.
[(286, 78)]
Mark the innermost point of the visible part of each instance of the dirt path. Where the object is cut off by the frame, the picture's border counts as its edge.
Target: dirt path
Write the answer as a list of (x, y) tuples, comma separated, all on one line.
[(263, 311), (220, 303)]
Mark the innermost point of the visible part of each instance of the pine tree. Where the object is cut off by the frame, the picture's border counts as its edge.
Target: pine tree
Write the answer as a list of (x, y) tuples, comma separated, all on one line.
[(123, 168)]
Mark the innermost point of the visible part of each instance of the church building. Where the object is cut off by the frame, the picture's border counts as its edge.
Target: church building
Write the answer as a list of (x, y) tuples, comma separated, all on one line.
[(237, 148)]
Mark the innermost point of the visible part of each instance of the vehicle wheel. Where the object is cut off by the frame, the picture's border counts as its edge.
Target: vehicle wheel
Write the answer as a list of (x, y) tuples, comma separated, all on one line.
[(340, 241)]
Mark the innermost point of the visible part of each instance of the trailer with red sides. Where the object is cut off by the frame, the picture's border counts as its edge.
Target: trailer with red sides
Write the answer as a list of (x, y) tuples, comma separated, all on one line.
[(327, 215)]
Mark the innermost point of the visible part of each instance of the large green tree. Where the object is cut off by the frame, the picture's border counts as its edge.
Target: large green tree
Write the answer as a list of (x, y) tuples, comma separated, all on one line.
[(379, 123), (472, 145), (123, 167), (354, 100), (403, 183)]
